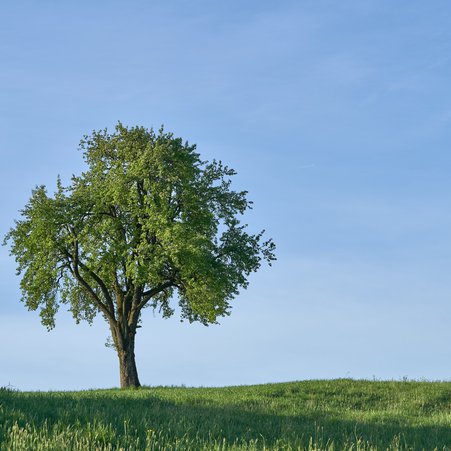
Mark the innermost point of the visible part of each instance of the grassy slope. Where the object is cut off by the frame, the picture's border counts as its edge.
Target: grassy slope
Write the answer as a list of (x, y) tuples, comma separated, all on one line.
[(336, 414)]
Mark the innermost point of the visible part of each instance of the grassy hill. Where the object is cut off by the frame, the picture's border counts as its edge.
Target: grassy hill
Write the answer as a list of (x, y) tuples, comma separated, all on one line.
[(334, 414)]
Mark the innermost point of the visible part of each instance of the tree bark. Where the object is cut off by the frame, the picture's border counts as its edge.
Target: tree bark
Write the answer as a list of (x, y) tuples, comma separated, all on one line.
[(125, 347), (127, 365)]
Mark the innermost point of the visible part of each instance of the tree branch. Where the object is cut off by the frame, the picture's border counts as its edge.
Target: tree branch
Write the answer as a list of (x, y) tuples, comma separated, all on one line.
[(91, 292), (76, 259), (76, 273), (147, 295), (101, 285)]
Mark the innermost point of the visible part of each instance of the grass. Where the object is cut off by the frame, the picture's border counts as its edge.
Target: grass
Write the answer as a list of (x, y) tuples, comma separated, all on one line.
[(312, 415)]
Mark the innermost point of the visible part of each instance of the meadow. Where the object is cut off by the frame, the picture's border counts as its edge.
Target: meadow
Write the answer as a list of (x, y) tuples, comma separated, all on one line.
[(341, 414)]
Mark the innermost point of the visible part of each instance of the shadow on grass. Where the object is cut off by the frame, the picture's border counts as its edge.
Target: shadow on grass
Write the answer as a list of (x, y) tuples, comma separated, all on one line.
[(201, 418)]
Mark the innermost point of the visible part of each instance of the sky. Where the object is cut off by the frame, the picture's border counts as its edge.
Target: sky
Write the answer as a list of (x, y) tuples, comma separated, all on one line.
[(336, 117)]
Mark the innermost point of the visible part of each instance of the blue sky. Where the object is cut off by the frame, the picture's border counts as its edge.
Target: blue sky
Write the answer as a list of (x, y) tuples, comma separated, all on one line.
[(336, 116)]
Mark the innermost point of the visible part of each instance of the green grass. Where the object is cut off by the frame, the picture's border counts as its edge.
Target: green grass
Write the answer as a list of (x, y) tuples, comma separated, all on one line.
[(336, 414)]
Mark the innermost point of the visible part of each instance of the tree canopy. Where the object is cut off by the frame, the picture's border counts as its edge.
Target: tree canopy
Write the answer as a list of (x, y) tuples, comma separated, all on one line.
[(147, 223)]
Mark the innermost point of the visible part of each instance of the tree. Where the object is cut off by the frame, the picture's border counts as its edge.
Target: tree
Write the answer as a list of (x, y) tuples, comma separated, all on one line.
[(148, 221)]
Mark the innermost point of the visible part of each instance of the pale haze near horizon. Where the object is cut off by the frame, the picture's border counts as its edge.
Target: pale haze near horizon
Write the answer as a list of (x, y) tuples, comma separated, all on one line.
[(336, 116)]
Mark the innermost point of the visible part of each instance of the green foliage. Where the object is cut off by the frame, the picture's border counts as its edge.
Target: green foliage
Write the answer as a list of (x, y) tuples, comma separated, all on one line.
[(311, 415), (147, 220)]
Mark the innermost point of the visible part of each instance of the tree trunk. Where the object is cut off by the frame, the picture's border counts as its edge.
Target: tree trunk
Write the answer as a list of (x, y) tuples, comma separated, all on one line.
[(127, 365)]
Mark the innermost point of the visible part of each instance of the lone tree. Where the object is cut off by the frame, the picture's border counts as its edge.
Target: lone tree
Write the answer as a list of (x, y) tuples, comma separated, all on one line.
[(147, 221)]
